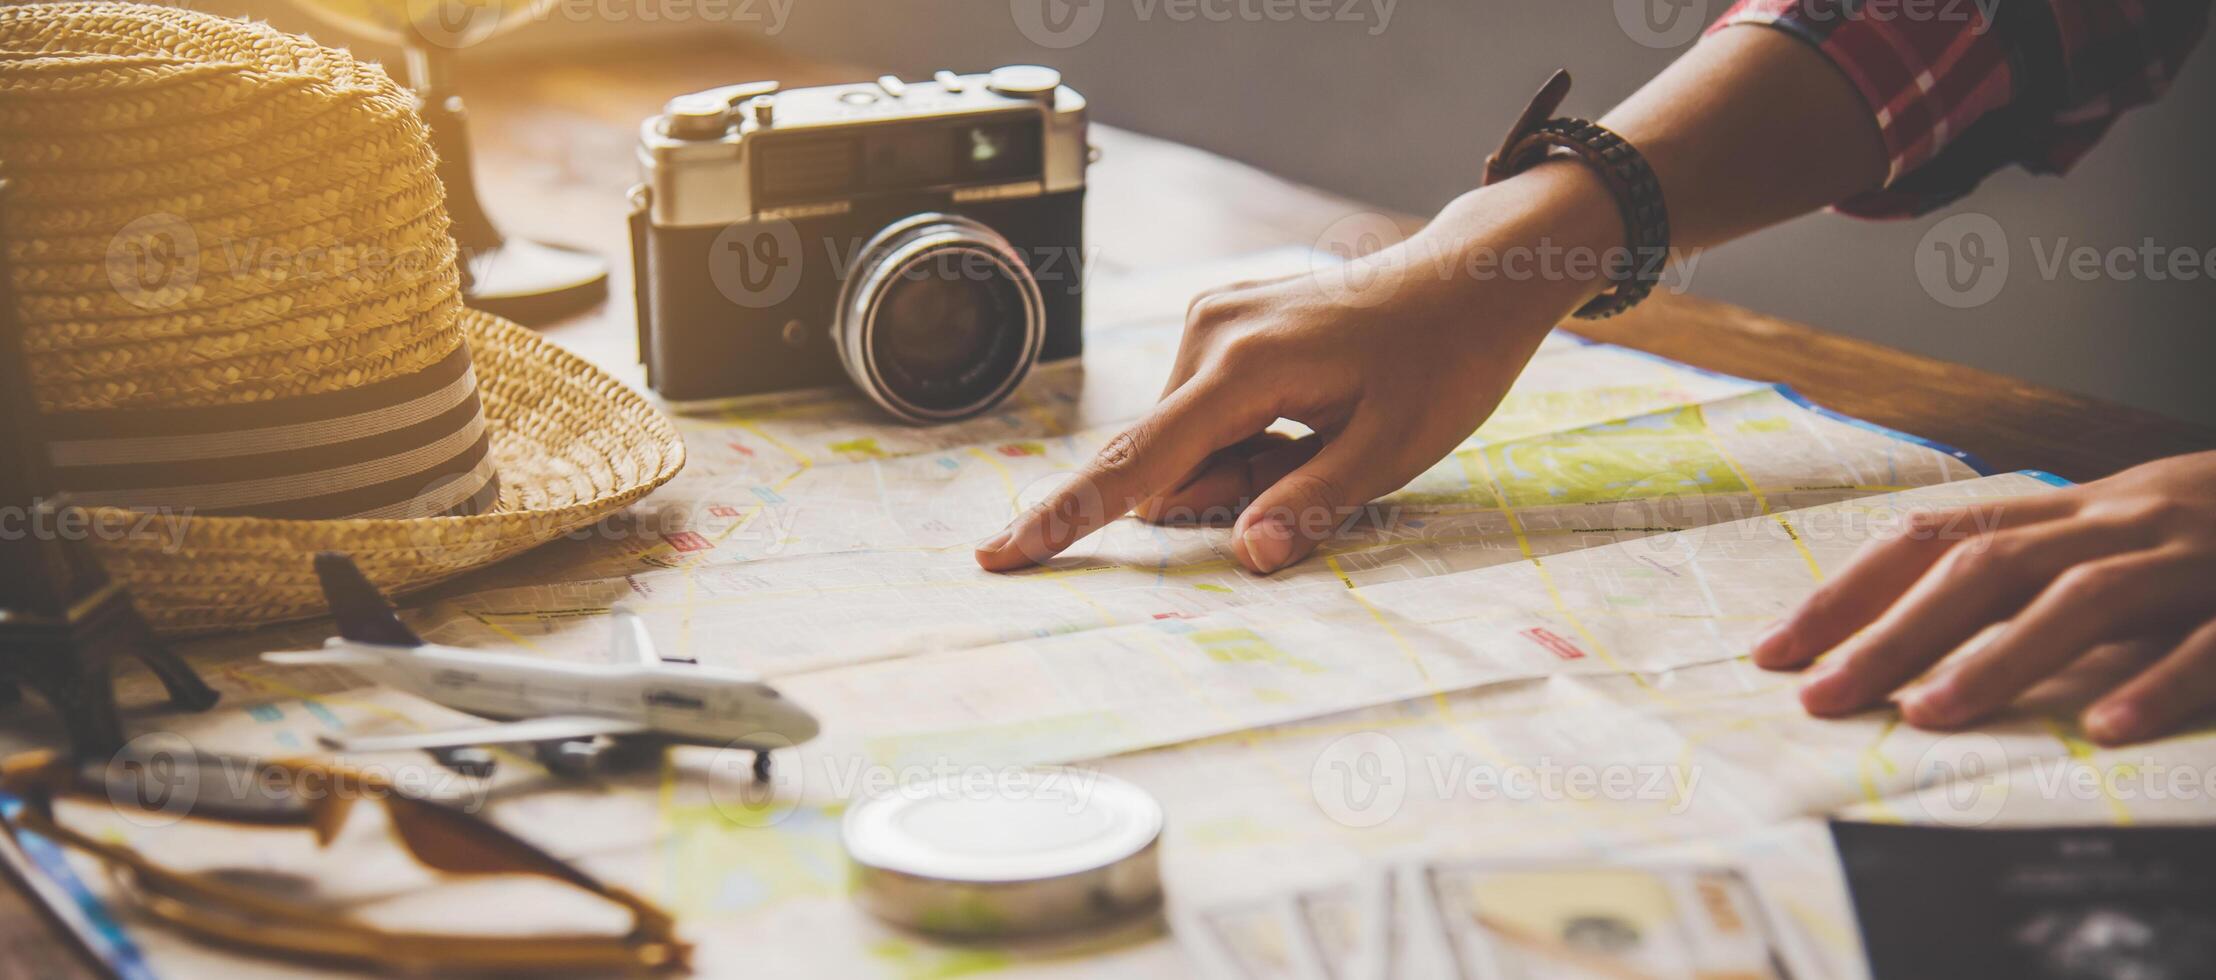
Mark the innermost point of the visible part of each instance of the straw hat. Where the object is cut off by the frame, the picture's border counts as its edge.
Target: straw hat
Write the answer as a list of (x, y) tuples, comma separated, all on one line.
[(239, 301)]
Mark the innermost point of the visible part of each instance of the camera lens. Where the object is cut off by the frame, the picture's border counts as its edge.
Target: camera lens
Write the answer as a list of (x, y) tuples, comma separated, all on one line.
[(940, 318), (935, 324)]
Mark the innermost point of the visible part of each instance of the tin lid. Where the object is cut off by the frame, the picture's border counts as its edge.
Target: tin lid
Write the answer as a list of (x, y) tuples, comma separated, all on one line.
[(1006, 851)]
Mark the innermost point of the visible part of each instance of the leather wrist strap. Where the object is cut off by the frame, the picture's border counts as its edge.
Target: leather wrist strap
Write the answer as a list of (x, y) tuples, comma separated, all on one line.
[(1638, 194)]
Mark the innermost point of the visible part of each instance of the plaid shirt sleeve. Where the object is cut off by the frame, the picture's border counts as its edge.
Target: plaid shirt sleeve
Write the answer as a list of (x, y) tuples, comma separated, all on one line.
[(1961, 88)]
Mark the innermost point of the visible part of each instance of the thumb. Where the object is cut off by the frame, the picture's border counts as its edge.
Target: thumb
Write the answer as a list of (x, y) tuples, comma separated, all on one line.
[(1303, 507)]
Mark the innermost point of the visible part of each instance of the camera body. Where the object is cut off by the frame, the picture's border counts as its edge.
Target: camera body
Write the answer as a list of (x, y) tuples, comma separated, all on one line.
[(923, 239)]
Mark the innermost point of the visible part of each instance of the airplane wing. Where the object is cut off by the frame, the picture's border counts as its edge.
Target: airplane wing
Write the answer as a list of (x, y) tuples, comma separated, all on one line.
[(335, 658), (549, 729)]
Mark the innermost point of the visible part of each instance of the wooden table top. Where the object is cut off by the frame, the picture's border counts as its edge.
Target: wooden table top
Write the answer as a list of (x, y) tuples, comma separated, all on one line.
[(554, 139), (554, 145)]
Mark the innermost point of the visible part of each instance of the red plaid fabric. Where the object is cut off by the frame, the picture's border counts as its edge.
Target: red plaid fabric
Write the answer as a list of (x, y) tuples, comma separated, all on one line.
[(1962, 88)]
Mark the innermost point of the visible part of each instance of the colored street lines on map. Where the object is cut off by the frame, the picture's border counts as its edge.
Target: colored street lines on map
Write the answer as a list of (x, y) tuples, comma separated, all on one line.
[(1573, 586), (1099, 692), (869, 560)]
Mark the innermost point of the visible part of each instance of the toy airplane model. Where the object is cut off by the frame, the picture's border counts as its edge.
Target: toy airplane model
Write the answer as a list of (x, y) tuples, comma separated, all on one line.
[(569, 713)]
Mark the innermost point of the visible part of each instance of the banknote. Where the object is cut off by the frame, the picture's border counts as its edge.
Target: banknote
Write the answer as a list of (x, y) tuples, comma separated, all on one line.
[(1262, 939), (1352, 926), (1507, 921)]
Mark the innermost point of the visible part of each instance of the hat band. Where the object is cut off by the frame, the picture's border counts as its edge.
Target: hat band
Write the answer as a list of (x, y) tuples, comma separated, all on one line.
[(410, 446)]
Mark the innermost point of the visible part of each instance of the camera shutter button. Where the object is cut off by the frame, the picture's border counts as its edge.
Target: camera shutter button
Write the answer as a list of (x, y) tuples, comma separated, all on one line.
[(693, 117), (1024, 81)]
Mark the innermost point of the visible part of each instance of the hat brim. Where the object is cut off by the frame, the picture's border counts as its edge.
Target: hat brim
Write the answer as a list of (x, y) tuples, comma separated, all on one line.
[(572, 445)]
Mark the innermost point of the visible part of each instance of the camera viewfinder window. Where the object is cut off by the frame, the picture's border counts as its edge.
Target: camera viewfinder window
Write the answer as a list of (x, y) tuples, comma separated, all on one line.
[(999, 151), (913, 158), (907, 156)]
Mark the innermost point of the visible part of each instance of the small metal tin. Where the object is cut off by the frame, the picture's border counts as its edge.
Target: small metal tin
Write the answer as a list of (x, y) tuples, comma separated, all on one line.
[(1006, 852)]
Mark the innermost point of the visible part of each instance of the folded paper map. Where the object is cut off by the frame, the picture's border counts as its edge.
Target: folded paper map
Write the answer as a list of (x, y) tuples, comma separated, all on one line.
[(1536, 648)]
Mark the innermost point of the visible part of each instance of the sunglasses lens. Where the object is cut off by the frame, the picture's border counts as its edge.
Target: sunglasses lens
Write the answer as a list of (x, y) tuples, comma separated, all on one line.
[(264, 904), (179, 781)]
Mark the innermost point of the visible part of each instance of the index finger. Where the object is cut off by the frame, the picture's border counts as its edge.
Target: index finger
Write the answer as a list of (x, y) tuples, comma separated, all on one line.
[(1886, 569), (1190, 348), (1147, 458)]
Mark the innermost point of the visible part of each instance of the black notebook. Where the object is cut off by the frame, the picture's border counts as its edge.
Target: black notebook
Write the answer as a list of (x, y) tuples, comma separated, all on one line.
[(2079, 903)]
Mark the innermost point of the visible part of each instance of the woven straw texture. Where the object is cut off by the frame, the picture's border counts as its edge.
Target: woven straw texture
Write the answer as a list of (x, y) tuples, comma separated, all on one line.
[(573, 445), (314, 258), (214, 212)]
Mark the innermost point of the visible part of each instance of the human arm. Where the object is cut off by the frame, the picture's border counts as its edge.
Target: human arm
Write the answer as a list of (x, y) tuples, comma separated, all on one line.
[(1393, 360), (1393, 363)]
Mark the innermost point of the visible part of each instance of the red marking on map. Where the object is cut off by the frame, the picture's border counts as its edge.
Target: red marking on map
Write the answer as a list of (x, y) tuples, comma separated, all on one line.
[(1173, 615), (1555, 644), (1018, 449), (722, 510), (688, 541), (741, 449)]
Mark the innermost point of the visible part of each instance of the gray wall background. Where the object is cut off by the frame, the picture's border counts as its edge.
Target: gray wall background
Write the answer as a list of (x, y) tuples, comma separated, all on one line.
[(1402, 116)]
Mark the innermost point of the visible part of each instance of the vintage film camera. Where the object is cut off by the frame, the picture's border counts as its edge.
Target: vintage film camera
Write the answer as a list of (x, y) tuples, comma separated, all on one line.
[(923, 239)]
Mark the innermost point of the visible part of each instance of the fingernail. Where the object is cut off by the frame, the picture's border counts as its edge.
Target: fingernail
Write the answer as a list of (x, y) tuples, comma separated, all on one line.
[(1819, 690), (2114, 723), (1269, 543), (1820, 671), (1774, 642), (997, 541), (1933, 703)]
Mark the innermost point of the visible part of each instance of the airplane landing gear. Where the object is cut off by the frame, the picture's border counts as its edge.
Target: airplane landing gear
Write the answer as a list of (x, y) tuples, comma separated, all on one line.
[(472, 761), (575, 758), (761, 766)]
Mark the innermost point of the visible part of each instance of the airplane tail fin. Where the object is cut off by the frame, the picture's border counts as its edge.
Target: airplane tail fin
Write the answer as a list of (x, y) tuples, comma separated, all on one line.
[(363, 614), (632, 642)]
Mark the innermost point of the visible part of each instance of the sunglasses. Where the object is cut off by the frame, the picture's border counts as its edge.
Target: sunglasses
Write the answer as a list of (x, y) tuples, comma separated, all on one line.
[(317, 796)]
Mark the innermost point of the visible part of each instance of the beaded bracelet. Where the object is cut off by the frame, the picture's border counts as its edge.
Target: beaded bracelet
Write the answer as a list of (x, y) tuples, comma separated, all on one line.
[(1620, 165)]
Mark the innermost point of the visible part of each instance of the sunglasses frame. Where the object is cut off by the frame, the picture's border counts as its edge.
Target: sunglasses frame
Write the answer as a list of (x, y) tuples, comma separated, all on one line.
[(427, 829)]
